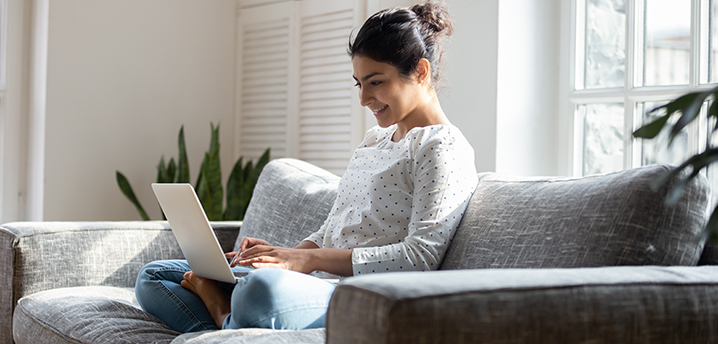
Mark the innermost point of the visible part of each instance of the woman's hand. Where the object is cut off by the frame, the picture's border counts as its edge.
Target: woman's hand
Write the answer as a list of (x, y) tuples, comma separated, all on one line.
[(305, 257), (267, 256), (246, 243)]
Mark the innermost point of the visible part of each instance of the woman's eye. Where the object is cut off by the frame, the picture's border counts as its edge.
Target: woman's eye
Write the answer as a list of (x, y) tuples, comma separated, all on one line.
[(375, 83), (357, 85)]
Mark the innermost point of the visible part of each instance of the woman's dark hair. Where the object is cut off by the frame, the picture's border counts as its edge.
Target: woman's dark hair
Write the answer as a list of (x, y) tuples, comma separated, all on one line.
[(403, 36)]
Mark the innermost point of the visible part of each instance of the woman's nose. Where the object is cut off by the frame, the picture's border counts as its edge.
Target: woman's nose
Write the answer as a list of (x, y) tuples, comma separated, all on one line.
[(364, 98)]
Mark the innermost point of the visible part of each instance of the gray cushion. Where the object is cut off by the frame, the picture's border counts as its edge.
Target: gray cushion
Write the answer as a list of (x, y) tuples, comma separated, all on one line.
[(37, 256), (602, 220), (112, 315), (291, 200), (86, 315), (502, 306), (253, 336)]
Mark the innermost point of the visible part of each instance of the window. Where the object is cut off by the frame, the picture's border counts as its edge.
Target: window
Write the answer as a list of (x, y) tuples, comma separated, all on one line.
[(628, 57)]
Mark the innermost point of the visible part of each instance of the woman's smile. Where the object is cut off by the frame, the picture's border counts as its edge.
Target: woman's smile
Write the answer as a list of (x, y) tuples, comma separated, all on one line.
[(379, 111)]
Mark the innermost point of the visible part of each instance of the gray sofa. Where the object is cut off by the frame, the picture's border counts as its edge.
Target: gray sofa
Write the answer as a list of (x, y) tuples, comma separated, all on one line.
[(598, 259)]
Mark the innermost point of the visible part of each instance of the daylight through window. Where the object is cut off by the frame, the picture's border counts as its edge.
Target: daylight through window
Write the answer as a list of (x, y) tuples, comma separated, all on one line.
[(628, 57)]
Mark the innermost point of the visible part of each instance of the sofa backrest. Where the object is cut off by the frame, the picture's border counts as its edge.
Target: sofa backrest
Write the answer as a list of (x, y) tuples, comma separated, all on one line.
[(601, 220), (291, 200)]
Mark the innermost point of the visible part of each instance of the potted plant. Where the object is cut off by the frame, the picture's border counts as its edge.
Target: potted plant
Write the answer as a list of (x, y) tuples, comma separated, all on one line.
[(208, 186), (687, 108)]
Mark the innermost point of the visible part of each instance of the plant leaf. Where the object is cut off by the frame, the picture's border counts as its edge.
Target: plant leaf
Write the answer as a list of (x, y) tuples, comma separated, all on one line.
[(126, 189), (248, 170), (235, 208), (182, 174), (210, 180), (203, 191), (214, 140), (713, 109), (161, 170), (713, 112), (171, 170), (696, 162), (652, 129), (689, 111), (198, 185), (263, 160), (213, 175), (712, 227), (163, 173)]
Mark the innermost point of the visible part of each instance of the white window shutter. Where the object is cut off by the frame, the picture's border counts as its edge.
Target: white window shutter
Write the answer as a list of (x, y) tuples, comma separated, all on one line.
[(257, 3), (325, 135), (295, 91), (263, 77)]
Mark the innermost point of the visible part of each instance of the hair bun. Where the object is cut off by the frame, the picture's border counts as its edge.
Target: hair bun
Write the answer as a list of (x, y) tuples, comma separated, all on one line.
[(435, 16)]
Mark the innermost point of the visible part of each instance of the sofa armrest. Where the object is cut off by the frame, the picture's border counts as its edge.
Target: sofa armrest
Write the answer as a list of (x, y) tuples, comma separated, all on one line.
[(47, 255), (37, 256), (596, 305)]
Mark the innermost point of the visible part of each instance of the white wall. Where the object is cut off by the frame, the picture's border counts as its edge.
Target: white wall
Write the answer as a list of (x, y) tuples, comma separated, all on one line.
[(13, 126), (501, 81), (122, 77), (528, 87), (470, 76), (468, 92)]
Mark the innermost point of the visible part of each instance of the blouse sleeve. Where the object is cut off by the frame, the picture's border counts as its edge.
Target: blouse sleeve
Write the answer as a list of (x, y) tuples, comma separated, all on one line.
[(444, 180)]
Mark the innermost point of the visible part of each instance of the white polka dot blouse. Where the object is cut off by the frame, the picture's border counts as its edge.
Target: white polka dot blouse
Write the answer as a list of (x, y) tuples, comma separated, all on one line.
[(399, 203)]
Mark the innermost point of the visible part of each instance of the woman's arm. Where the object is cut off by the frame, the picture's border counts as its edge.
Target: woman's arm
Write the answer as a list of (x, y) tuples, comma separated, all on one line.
[(305, 257), (306, 244)]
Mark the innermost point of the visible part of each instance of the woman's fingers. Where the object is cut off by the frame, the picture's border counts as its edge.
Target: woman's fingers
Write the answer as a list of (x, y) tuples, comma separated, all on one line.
[(243, 245), (260, 254), (261, 261), (234, 256), (248, 243), (268, 265), (279, 257), (255, 250)]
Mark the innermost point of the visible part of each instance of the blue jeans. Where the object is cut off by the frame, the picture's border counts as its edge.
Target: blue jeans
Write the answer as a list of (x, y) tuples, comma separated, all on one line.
[(265, 298)]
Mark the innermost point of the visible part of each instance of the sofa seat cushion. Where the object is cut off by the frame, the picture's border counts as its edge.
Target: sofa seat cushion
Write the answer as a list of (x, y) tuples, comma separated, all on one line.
[(291, 201), (253, 336), (625, 304), (602, 220), (112, 315), (86, 315)]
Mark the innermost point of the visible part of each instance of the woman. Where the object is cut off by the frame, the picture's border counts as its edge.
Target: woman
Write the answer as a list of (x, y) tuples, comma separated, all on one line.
[(398, 204)]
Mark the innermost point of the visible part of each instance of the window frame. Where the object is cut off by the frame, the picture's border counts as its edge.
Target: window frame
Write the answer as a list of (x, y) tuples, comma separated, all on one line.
[(633, 93)]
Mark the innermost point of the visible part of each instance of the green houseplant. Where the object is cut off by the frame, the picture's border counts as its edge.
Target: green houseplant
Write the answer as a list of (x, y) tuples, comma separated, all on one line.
[(686, 109), (208, 186)]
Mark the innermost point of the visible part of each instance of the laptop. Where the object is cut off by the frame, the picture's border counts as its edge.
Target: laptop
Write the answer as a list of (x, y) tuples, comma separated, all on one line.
[(190, 225)]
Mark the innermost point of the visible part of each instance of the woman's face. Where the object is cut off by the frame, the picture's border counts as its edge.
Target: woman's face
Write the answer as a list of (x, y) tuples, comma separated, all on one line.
[(390, 98)]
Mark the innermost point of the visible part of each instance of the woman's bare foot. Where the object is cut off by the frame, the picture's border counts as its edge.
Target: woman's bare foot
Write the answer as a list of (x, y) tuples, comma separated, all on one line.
[(214, 298)]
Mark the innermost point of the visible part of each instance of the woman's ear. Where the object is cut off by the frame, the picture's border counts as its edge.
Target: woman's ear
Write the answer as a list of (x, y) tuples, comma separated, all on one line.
[(423, 69)]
